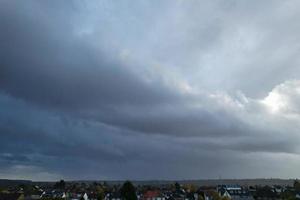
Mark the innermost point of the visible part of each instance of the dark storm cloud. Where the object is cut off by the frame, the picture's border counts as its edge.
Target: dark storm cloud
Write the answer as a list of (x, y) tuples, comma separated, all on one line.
[(44, 62), (177, 120), (45, 133), (56, 68), (104, 89), (34, 140)]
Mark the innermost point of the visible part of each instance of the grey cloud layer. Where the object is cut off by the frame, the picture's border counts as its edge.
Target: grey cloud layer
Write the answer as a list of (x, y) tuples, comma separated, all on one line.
[(55, 67), (114, 89)]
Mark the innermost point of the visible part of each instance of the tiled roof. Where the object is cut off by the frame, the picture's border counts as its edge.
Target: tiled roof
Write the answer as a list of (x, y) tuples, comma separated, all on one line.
[(151, 194)]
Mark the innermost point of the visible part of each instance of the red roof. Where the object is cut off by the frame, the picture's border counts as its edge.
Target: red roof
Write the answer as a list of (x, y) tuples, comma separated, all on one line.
[(151, 194)]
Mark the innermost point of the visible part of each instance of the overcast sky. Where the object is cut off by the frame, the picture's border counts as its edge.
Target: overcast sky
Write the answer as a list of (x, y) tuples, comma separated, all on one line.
[(150, 89)]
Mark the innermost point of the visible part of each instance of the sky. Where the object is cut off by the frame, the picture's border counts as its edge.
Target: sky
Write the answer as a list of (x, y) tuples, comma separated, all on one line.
[(150, 89)]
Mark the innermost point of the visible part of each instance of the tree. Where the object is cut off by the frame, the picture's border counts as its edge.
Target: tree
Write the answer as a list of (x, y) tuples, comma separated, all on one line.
[(225, 198), (100, 192), (297, 186), (177, 187), (265, 192), (200, 197), (128, 191), (190, 188), (60, 185), (216, 196), (288, 195)]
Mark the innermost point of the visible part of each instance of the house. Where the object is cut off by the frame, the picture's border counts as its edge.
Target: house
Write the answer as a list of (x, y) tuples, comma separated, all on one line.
[(191, 196), (32, 197), (278, 189), (206, 192), (113, 196), (224, 193), (46, 194), (53, 194), (77, 196), (234, 192), (153, 195), (85, 196), (92, 196)]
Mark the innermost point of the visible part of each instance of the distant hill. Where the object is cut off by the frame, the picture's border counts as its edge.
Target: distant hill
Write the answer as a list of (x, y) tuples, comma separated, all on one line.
[(7, 182), (242, 182), (207, 182), (215, 182)]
